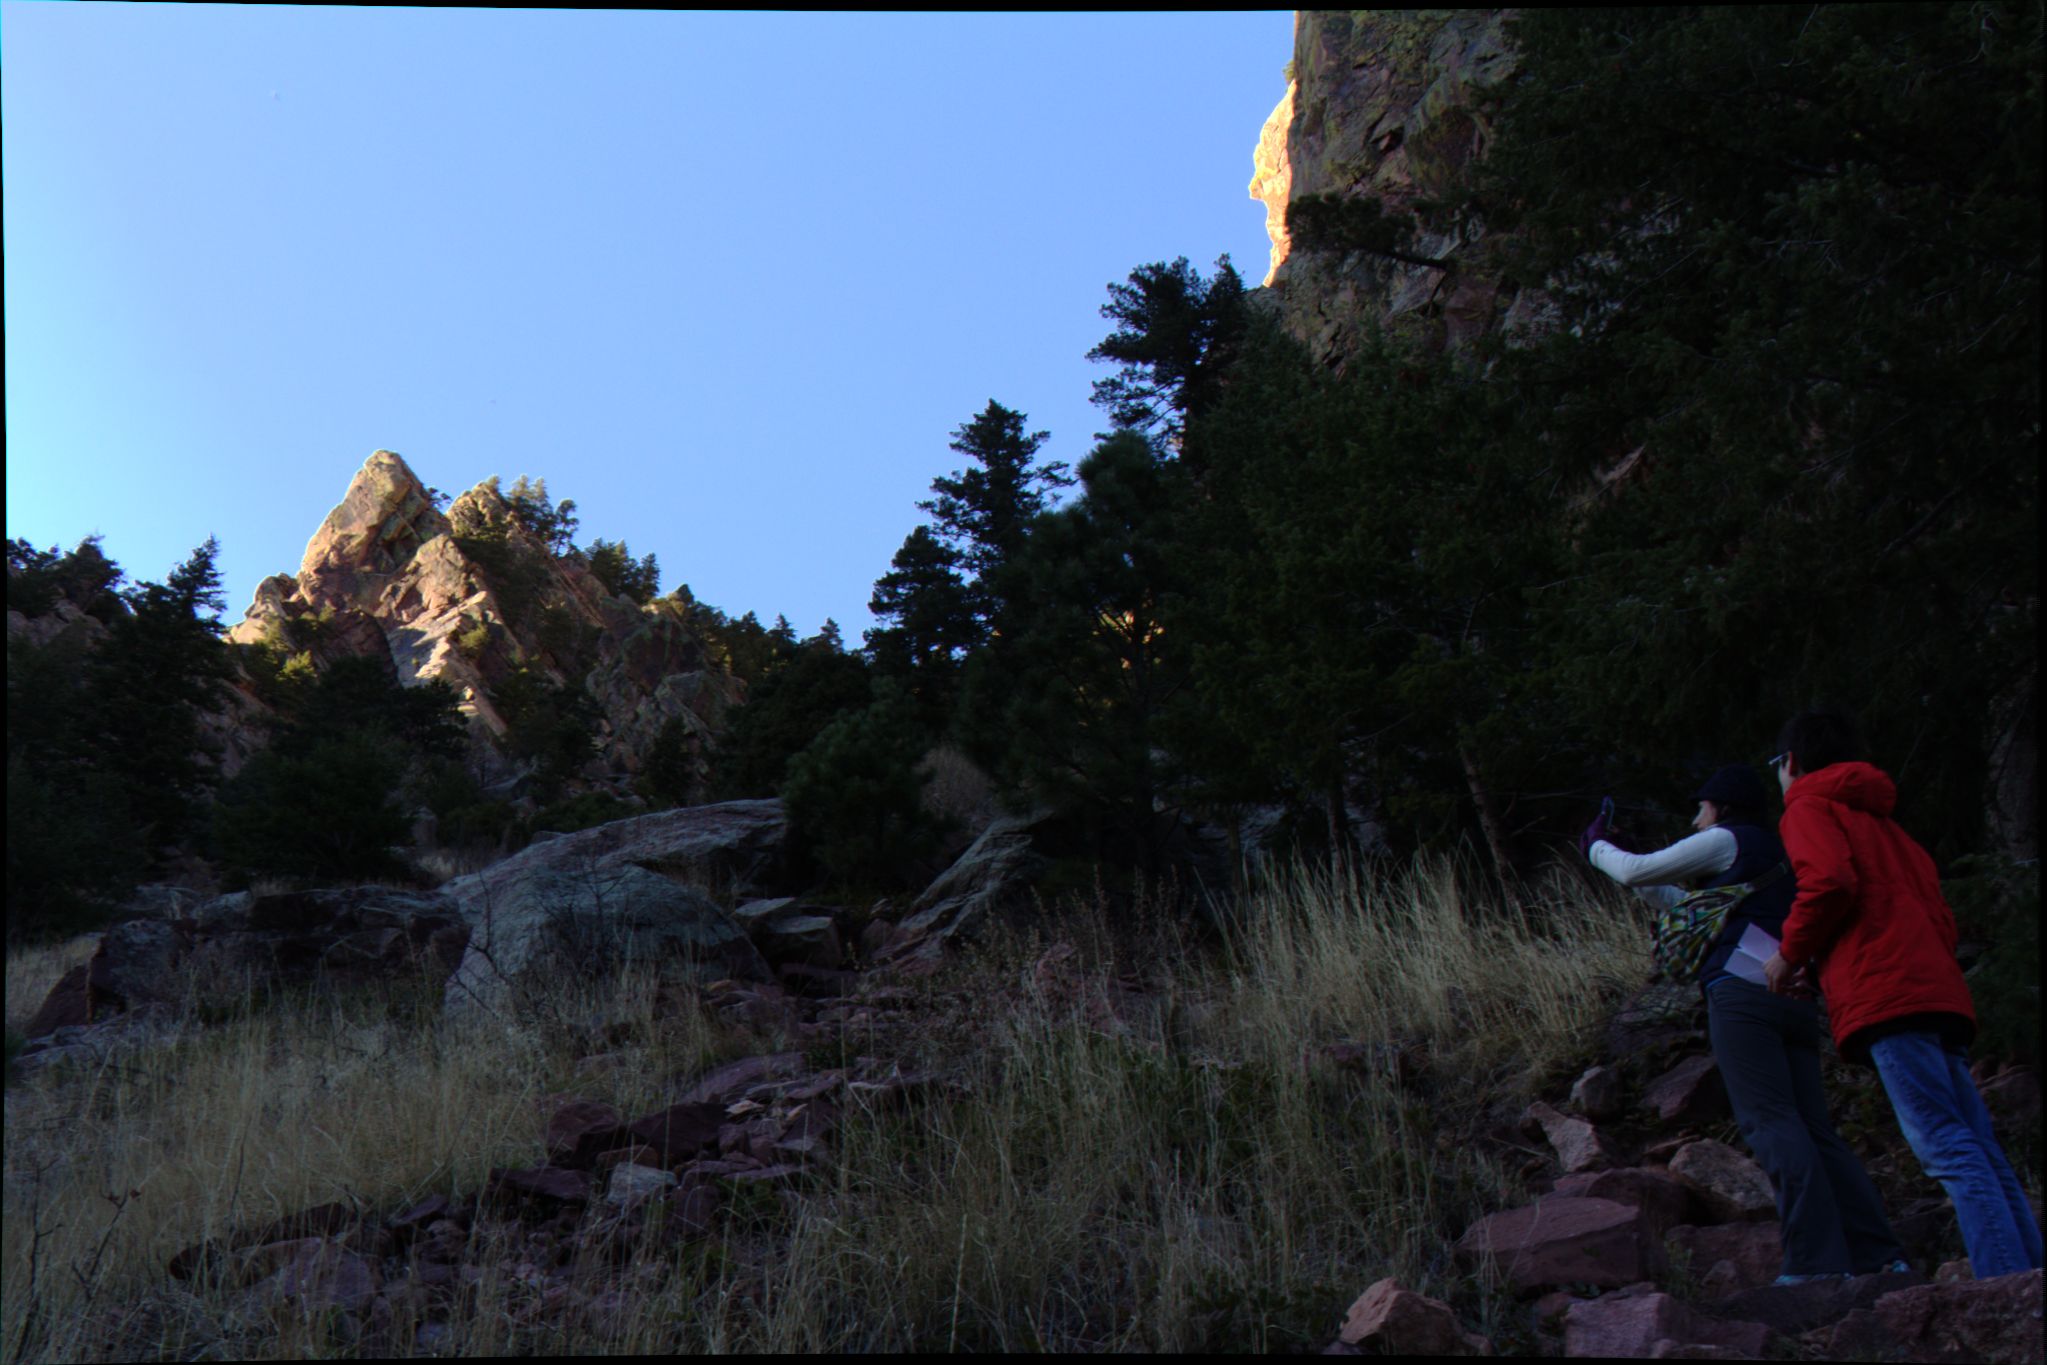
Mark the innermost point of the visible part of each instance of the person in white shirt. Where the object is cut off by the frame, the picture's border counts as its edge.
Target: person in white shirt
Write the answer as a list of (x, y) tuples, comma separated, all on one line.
[(1767, 1046)]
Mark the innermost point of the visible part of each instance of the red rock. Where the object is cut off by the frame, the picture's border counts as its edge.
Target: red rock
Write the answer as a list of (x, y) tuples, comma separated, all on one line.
[(1794, 1308), (1563, 1240), (1597, 1093), (1662, 1199), (1730, 1187), (1690, 1091), (720, 1084), (1635, 1324), (1578, 1145), (580, 1129), (1401, 1322), (680, 1131), (1731, 1256), (1998, 1319)]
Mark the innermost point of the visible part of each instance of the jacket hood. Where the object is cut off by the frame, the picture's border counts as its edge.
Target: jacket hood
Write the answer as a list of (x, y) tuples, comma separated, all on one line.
[(1863, 786)]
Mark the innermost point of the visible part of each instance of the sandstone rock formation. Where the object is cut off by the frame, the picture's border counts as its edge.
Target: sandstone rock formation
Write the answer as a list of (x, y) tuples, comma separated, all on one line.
[(470, 595), (1383, 105)]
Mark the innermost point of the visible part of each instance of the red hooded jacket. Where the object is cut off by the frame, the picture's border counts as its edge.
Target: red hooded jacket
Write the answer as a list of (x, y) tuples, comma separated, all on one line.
[(1869, 910)]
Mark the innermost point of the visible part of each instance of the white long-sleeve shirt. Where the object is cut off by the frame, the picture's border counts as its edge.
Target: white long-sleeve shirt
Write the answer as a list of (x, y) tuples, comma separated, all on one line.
[(1705, 854)]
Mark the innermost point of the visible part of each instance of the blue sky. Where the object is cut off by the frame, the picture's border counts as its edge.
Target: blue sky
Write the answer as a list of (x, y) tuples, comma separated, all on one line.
[(727, 280)]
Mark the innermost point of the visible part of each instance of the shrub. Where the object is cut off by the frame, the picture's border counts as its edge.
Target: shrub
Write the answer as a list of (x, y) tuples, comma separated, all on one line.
[(324, 812), (855, 796)]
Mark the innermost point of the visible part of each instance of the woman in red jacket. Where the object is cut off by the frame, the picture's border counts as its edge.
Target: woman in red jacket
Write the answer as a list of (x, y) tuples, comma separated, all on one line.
[(1870, 916)]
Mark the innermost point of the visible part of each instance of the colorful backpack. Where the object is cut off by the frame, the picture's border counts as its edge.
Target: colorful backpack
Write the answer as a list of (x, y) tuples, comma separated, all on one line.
[(1683, 934)]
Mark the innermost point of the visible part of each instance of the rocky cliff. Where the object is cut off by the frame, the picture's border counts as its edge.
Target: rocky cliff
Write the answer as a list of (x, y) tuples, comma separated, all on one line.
[(469, 596), (1384, 106)]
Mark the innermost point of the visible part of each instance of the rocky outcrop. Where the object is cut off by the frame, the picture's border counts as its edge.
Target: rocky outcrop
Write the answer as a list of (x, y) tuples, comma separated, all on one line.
[(1384, 105), (470, 595), (232, 949), (630, 890)]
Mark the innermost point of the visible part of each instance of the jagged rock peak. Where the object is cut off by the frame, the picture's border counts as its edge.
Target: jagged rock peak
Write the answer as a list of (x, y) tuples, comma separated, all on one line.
[(385, 516)]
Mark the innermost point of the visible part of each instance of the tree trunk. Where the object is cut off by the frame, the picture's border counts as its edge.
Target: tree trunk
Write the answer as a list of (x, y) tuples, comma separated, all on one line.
[(1489, 823)]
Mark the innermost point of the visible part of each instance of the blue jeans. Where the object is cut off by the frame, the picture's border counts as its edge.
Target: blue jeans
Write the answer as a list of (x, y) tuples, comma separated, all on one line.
[(1949, 1129)]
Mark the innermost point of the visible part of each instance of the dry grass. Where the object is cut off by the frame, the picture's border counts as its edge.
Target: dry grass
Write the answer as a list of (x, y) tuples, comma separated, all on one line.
[(1182, 1179)]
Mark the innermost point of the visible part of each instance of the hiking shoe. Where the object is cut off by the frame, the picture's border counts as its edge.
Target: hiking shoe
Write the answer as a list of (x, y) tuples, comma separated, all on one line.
[(1808, 1279), (1894, 1268)]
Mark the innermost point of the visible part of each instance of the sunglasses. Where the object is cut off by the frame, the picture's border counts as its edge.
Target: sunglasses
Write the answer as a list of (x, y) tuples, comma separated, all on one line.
[(1780, 759)]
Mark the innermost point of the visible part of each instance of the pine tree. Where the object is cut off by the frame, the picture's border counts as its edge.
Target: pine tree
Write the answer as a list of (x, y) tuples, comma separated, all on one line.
[(163, 666), (1179, 335)]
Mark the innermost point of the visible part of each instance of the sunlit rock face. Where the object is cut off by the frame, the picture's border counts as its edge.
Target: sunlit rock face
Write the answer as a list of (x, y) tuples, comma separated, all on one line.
[(1383, 105), (387, 576)]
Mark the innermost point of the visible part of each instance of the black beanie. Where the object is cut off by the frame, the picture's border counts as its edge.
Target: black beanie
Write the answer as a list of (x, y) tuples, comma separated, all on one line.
[(1734, 785)]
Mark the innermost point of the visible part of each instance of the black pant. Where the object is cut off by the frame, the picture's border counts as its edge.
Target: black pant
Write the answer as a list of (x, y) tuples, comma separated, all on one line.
[(1768, 1049)]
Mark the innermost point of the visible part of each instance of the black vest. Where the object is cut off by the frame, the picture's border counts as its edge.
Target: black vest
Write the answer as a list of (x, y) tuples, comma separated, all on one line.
[(1756, 851)]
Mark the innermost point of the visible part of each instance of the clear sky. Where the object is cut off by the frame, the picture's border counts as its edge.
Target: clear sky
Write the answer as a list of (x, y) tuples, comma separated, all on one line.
[(728, 280)]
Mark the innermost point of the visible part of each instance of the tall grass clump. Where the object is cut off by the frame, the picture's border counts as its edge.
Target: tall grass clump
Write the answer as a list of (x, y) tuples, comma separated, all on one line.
[(1197, 1175), (1142, 1138)]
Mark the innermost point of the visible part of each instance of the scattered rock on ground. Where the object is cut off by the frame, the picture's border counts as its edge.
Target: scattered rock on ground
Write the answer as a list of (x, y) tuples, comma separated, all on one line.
[(1401, 1322), (1730, 1187)]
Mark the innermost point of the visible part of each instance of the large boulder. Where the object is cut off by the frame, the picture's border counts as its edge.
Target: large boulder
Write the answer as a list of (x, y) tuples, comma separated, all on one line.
[(999, 864), (235, 948), (528, 930), (734, 847)]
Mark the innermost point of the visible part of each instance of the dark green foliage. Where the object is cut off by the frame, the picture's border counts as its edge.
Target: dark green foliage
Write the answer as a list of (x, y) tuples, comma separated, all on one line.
[(464, 816), (1329, 222), (582, 812), (326, 808), (981, 511), (38, 579), (939, 597), (671, 772), (854, 796), (749, 649), (1068, 701), (358, 694), (931, 610), (782, 715), (614, 566), (1177, 339), (1997, 909), (515, 573), (1801, 274), (554, 523), (325, 799), (552, 724), (72, 850), (162, 667)]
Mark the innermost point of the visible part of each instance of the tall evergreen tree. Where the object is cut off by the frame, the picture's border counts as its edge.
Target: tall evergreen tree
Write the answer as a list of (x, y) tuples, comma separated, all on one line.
[(162, 668), (1177, 337)]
